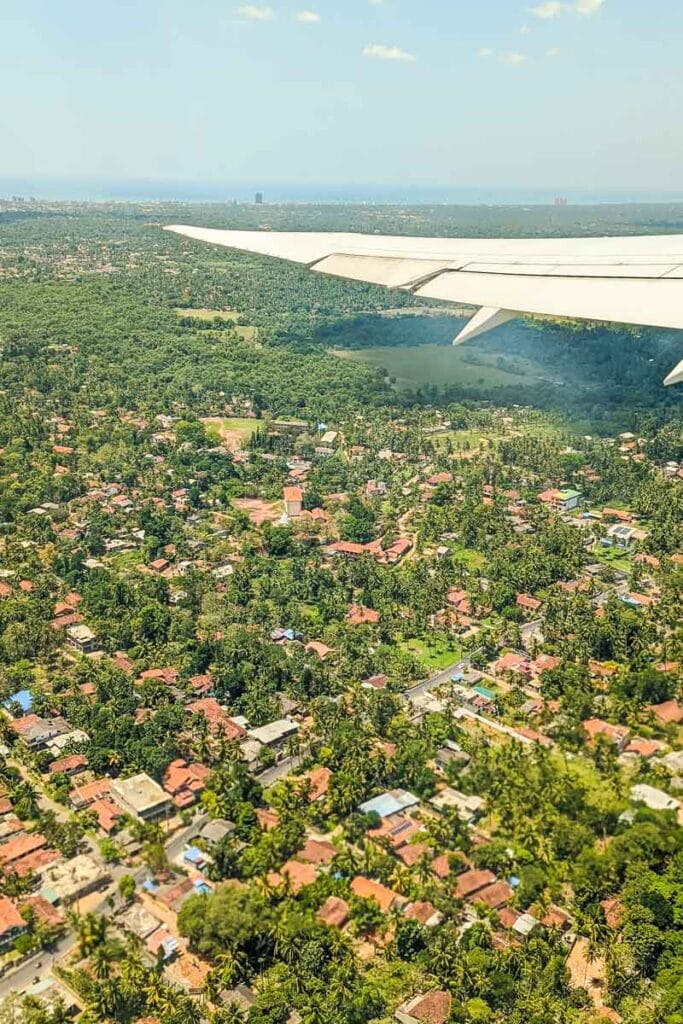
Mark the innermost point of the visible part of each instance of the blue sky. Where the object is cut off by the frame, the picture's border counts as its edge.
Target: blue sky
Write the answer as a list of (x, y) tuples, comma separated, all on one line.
[(575, 94)]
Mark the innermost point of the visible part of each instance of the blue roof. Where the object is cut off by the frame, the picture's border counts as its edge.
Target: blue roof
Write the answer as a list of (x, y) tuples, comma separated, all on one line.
[(193, 854), (202, 887), (23, 698), (149, 885), (391, 802)]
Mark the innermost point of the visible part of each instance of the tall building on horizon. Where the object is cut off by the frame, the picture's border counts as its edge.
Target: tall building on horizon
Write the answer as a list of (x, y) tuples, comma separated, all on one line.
[(258, 199)]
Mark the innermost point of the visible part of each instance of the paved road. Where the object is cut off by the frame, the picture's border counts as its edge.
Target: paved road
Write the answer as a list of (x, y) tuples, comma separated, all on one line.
[(277, 772), (438, 679)]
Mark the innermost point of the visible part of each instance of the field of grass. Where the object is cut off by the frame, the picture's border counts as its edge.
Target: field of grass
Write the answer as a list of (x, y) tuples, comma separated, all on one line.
[(232, 431), (434, 653), (421, 365), (208, 314), (468, 557)]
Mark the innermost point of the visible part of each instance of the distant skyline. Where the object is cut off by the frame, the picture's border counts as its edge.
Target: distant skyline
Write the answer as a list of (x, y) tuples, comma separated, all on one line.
[(581, 96)]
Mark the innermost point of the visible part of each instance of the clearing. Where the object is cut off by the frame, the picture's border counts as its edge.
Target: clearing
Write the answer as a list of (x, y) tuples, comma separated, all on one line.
[(232, 431), (442, 365), (259, 511)]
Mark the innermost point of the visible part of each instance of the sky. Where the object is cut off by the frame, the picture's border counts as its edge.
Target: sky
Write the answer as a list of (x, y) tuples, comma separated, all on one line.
[(560, 94)]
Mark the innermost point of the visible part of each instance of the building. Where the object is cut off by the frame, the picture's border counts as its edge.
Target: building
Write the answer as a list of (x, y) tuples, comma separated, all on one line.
[(275, 733), (258, 199), (294, 501), (82, 639), (70, 880), (184, 782), (12, 924), (141, 797), (428, 1008), (469, 808)]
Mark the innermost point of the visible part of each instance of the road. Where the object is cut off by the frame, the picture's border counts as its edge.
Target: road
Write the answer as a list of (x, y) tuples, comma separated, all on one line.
[(444, 676), (277, 772)]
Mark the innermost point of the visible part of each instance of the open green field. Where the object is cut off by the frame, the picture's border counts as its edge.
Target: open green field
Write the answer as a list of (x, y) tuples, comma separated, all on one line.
[(442, 365), (208, 314), (231, 430), (227, 315), (433, 652)]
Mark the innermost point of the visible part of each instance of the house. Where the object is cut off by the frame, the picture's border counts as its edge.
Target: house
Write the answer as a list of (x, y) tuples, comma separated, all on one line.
[(72, 764), (424, 912), (12, 924), (512, 662), (275, 733), (390, 803), (472, 882), (670, 712), (360, 616), (430, 1008), (494, 896), (316, 647), (617, 734), (141, 797), (85, 795), (294, 874), (561, 501), (528, 603), (469, 808), (216, 830), (319, 781), (294, 501), (72, 879), (184, 782), (82, 639), (334, 912), (655, 799), (37, 732), (620, 536), (218, 719), (367, 889)]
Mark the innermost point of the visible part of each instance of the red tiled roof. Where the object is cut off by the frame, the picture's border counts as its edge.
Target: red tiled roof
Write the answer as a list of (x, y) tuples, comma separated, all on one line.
[(495, 895), (367, 889), (10, 918), (668, 711), (472, 881), (20, 846), (334, 912)]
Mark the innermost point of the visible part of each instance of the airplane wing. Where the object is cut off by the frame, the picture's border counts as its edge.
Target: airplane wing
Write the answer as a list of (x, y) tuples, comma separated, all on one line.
[(631, 280)]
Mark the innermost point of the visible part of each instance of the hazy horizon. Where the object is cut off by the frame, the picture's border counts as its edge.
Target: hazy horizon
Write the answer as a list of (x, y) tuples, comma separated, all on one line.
[(158, 190)]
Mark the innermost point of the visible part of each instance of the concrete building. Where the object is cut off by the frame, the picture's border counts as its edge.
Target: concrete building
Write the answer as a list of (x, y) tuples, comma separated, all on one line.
[(72, 879), (141, 797)]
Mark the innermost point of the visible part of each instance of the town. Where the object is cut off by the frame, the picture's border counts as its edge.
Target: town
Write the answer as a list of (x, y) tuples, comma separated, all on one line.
[(320, 703)]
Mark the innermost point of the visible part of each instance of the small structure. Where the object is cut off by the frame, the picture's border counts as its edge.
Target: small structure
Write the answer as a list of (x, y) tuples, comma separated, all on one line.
[(294, 501), (428, 1008)]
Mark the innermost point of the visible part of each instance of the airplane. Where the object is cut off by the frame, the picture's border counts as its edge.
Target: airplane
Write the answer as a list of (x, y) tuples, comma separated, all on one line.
[(631, 280)]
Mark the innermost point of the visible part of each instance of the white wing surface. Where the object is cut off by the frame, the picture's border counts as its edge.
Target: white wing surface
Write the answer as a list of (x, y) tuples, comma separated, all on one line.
[(631, 280)]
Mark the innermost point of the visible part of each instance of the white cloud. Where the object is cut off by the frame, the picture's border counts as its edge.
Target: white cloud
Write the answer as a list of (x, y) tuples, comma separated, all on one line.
[(514, 59), (253, 13), (378, 51), (548, 9), (308, 17), (552, 52), (485, 52), (524, 30), (588, 6)]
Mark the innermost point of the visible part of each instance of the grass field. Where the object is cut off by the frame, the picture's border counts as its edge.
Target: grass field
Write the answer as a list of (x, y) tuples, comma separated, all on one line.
[(208, 314), (226, 315), (433, 653), (232, 431), (420, 365)]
